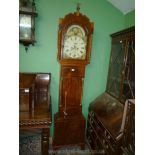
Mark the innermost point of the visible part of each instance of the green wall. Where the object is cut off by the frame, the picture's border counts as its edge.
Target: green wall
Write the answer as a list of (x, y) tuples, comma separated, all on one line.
[(129, 19), (43, 56)]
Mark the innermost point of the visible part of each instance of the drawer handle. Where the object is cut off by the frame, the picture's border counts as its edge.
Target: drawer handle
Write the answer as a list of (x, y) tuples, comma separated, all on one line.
[(73, 69)]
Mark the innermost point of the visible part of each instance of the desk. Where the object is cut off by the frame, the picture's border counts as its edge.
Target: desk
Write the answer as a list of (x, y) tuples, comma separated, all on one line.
[(37, 120)]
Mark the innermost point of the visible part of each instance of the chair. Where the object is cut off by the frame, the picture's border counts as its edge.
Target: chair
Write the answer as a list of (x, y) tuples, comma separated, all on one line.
[(34, 106)]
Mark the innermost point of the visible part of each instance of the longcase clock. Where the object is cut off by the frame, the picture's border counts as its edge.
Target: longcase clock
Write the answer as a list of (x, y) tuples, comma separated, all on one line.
[(74, 52)]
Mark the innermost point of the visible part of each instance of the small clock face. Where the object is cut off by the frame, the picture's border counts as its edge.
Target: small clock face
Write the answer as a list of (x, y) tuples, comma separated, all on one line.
[(25, 26), (74, 46)]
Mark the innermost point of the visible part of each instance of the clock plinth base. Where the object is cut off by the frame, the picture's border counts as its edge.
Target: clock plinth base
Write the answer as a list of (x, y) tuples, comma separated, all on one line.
[(68, 131)]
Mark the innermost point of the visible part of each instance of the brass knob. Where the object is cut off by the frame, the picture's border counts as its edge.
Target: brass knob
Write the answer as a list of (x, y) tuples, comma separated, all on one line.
[(73, 69)]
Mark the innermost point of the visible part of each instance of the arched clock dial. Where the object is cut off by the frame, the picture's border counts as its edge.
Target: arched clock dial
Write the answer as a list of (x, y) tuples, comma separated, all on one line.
[(74, 46)]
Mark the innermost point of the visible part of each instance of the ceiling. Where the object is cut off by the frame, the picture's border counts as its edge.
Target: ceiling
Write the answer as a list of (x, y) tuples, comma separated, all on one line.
[(124, 6)]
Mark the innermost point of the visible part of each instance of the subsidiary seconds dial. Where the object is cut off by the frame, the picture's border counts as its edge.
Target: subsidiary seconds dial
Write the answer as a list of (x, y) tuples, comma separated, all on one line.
[(74, 47)]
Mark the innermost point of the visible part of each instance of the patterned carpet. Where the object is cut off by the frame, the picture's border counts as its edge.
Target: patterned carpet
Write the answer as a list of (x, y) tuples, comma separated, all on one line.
[(31, 145)]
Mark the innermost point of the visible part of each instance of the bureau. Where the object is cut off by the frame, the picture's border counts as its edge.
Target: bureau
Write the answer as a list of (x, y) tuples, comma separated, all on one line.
[(110, 123)]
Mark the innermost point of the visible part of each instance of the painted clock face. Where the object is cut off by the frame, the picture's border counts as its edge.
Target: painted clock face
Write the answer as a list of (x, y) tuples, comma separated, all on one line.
[(74, 46)]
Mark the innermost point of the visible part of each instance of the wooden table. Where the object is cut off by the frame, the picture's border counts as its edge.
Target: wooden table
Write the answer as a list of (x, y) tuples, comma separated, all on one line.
[(37, 121)]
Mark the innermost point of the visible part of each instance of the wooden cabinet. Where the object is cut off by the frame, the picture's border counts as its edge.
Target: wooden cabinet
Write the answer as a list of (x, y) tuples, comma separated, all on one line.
[(108, 126), (121, 75)]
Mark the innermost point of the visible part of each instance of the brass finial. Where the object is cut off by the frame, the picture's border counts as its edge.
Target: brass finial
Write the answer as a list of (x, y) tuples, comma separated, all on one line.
[(78, 9)]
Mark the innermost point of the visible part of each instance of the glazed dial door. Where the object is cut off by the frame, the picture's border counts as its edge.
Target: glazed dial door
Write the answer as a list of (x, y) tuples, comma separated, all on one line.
[(74, 46)]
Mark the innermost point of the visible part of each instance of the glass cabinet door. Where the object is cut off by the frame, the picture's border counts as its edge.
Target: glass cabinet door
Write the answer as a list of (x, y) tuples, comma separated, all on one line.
[(128, 91), (115, 67)]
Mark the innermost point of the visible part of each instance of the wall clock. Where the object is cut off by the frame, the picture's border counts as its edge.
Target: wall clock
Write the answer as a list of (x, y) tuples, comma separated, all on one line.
[(27, 14), (74, 51)]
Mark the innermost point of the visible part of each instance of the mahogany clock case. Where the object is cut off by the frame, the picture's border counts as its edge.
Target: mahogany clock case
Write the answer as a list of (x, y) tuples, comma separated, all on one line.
[(69, 123)]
